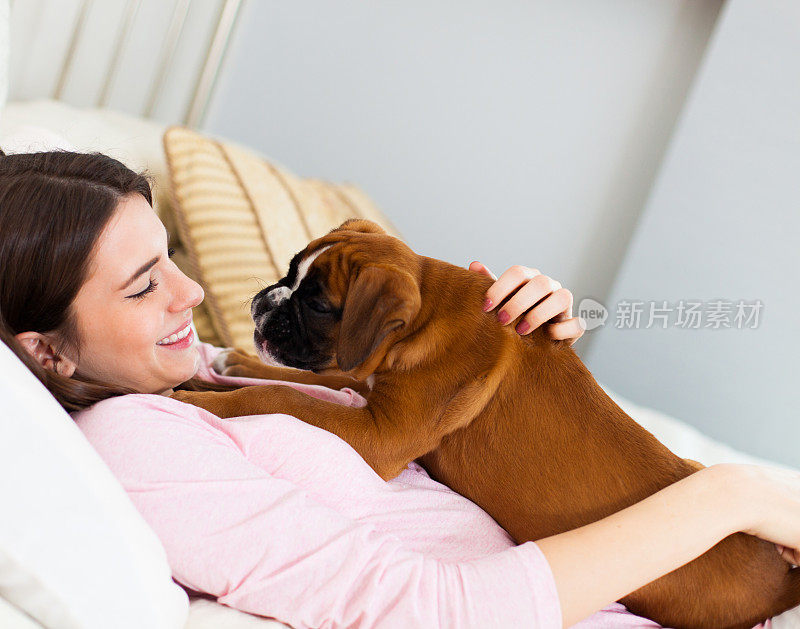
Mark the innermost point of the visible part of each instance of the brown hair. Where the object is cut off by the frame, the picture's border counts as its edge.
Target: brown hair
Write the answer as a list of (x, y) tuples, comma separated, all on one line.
[(53, 207)]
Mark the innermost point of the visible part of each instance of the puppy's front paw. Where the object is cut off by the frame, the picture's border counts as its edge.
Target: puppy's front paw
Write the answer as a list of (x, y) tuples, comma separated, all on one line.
[(220, 361), (187, 397), (212, 401), (228, 361)]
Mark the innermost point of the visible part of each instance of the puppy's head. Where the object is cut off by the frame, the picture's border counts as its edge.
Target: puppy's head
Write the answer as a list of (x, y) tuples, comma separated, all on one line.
[(348, 296)]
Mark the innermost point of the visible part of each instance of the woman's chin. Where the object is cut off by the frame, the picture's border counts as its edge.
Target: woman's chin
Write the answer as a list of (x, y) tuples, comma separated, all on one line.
[(193, 364), (183, 365)]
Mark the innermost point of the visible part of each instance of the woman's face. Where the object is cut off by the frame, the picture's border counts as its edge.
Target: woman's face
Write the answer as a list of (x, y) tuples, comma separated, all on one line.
[(120, 324)]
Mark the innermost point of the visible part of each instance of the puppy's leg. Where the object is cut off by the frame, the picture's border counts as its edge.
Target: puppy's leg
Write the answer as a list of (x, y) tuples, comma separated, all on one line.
[(239, 363), (380, 441)]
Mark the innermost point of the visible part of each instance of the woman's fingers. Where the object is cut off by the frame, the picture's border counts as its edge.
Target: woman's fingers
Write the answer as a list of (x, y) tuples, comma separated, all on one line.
[(569, 330), (789, 554), (540, 288), (553, 305), (479, 267), (538, 297), (509, 281)]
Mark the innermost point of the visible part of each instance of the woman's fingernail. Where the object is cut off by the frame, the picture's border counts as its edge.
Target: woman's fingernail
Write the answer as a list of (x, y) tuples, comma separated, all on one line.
[(503, 317), (487, 304), (523, 327)]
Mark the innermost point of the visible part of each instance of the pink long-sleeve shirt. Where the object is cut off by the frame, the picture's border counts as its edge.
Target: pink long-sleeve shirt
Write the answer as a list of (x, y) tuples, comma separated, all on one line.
[(279, 518)]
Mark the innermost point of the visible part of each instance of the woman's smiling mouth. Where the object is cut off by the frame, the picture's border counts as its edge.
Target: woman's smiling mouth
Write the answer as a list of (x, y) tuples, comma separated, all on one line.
[(181, 334)]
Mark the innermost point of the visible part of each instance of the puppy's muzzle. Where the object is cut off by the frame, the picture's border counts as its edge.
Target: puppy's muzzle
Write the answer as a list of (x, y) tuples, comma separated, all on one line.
[(268, 299)]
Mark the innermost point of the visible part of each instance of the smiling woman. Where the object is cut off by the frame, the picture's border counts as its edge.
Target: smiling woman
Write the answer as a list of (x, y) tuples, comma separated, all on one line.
[(126, 308), (87, 278)]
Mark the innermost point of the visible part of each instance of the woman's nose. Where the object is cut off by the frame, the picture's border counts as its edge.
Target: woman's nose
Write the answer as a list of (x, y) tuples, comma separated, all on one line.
[(188, 295)]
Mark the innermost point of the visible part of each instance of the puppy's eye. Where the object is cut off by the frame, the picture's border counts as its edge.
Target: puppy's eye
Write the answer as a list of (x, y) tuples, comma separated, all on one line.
[(318, 305)]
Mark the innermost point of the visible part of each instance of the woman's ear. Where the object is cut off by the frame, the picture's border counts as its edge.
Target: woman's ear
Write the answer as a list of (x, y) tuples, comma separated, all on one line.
[(43, 352)]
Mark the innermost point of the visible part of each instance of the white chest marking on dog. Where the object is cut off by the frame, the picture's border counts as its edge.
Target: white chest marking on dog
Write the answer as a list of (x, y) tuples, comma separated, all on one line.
[(282, 293)]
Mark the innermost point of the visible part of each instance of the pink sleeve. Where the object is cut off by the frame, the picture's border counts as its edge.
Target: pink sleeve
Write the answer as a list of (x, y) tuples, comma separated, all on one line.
[(260, 544)]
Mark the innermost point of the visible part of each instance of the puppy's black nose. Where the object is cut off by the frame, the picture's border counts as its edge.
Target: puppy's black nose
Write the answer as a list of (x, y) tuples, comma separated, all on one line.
[(261, 304)]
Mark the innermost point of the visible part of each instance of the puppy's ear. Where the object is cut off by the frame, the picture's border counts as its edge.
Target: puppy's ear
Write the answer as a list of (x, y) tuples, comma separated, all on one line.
[(381, 300), (359, 225)]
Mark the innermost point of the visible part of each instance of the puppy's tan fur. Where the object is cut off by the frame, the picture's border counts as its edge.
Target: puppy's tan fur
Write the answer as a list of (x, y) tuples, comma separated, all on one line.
[(516, 424)]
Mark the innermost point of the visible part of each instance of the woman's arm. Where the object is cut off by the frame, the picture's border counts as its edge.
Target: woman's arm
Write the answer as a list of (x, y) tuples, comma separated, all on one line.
[(608, 559)]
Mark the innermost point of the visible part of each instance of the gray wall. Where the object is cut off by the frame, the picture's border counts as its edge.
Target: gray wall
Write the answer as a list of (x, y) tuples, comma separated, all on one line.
[(506, 131), (724, 223)]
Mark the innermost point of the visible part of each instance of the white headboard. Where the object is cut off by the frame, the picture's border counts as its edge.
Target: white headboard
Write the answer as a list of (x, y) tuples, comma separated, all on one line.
[(151, 58), (3, 52)]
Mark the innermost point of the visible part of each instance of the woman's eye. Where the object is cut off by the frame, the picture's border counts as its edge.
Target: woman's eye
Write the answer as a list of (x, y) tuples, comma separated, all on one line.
[(152, 286), (149, 289)]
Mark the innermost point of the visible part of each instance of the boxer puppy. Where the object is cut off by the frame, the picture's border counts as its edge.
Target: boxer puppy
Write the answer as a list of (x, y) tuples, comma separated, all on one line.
[(517, 424)]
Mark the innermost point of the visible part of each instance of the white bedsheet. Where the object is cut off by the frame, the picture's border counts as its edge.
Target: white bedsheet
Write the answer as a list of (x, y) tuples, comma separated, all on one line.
[(205, 614)]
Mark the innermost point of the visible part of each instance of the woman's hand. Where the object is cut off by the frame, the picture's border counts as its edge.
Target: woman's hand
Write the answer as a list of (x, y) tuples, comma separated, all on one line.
[(555, 308), (771, 505)]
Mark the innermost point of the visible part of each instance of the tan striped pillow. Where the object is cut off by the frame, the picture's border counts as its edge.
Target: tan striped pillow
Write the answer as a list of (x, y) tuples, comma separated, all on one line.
[(240, 219)]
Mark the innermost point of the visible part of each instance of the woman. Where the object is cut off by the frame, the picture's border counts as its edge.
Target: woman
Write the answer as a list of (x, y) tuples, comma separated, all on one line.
[(276, 517)]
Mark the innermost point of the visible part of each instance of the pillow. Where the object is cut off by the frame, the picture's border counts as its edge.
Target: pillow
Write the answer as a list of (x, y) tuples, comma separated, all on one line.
[(135, 142), (31, 139), (241, 218), (74, 551)]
